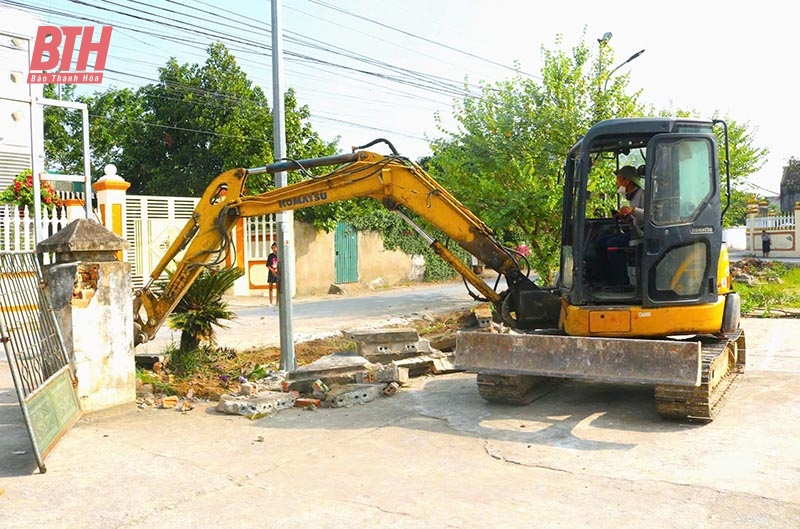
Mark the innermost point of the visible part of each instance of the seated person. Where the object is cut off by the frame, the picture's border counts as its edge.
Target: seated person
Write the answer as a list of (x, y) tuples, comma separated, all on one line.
[(612, 262)]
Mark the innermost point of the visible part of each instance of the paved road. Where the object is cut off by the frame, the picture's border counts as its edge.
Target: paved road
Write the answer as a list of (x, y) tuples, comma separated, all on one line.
[(257, 325)]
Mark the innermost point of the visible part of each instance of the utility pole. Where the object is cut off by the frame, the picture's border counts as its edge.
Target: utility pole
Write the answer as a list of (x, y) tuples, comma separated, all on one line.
[(285, 218)]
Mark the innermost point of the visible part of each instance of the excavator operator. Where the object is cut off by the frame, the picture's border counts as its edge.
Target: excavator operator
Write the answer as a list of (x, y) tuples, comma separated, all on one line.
[(610, 258)]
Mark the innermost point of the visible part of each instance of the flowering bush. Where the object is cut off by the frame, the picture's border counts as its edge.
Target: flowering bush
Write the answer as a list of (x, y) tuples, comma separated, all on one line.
[(20, 192)]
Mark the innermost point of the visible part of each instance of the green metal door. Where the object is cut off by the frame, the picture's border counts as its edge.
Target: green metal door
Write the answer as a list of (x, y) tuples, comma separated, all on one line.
[(346, 247)]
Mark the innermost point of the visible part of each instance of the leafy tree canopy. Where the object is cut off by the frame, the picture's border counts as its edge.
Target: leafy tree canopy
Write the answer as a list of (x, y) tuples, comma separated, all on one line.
[(174, 136), (506, 157)]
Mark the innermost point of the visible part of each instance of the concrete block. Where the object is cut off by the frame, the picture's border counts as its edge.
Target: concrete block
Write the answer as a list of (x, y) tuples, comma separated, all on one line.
[(384, 345), (350, 394), (264, 403), (434, 363), (330, 365), (483, 315), (247, 389), (383, 374)]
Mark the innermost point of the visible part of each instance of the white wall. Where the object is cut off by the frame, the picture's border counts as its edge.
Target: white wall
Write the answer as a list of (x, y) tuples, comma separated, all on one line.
[(17, 29), (735, 237)]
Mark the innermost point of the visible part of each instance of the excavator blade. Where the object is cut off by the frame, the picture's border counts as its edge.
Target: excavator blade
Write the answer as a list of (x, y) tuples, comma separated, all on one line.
[(615, 360)]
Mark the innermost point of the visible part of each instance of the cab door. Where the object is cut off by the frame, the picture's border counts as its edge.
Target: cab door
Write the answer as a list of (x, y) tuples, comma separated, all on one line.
[(682, 230)]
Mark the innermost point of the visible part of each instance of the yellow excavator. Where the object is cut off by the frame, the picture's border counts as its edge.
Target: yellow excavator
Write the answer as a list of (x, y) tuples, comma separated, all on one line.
[(675, 326)]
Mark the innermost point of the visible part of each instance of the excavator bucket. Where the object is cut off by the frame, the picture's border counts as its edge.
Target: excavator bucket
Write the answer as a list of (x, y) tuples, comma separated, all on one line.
[(613, 360)]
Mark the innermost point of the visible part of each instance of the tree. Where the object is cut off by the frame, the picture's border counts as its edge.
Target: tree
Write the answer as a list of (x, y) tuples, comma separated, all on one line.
[(63, 132), (790, 181), (172, 137), (506, 157)]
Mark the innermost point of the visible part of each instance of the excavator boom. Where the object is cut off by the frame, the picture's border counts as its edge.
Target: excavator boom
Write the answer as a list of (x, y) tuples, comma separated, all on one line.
[(394, 181)]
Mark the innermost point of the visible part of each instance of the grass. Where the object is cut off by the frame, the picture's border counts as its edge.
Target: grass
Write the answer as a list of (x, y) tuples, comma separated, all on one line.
[(777, 290)]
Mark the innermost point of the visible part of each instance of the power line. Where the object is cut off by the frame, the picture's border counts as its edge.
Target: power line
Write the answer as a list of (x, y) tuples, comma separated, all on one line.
[(430, 41), (184, 28)]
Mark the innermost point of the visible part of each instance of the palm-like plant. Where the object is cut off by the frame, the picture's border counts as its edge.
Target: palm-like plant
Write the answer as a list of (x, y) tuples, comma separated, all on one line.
[(203, 307)]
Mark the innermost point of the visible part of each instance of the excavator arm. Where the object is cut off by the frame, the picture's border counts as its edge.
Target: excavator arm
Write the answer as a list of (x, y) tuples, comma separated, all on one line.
[(394, 181)]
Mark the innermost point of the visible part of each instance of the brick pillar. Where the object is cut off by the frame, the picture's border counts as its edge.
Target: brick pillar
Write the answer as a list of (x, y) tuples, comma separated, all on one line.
[(110, 189), (92, 298)]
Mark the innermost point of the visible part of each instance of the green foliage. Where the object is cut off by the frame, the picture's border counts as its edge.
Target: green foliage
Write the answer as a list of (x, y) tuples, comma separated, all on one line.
[(185, 363), (203, 307), (791, 176), (506, 158), (778, 288), (148, 377)]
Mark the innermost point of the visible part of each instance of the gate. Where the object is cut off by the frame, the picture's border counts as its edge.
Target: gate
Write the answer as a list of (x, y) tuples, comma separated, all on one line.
[(151, 225), (346, 247), (36, 355)]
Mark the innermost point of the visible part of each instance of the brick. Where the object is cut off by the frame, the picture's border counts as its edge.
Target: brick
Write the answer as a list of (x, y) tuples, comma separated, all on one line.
[(306, 402)]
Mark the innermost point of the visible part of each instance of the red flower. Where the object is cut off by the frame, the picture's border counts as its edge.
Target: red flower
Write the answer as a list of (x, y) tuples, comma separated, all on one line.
[(20, 192)]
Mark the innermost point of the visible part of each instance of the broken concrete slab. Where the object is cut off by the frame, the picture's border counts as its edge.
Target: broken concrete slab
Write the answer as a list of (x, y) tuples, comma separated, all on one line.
[(333, 369), (330, 365), (349, 394), (261, 404), (384, 345), (377, 373), (435, 363), (483, 315)]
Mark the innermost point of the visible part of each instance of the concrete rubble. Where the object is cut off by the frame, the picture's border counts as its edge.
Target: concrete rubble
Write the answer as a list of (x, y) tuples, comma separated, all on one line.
[(383, 362)]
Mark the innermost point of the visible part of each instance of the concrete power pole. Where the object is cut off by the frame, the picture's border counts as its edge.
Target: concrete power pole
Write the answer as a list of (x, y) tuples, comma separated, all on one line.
[(285, 218)]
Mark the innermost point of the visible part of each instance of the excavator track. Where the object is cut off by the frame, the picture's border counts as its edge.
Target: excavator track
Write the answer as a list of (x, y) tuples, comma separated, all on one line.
[(723, 362), (515, 389)]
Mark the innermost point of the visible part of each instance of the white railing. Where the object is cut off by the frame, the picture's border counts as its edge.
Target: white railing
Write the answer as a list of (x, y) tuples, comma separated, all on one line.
[(17, 229), (778, 222)]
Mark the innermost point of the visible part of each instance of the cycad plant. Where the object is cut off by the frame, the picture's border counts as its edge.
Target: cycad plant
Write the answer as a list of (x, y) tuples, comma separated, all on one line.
[(203, 307)]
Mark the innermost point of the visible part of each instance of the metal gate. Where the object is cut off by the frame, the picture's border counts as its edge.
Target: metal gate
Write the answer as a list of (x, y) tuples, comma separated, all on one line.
[(36, 355), (346, 247), (151, 225)]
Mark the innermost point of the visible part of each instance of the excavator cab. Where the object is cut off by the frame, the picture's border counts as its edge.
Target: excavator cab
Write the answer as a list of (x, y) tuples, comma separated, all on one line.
[(674, 258)]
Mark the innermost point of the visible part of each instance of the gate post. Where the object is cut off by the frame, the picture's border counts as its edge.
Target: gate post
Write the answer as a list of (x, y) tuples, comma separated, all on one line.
[(110, 189), (91, 294), (750, 231)]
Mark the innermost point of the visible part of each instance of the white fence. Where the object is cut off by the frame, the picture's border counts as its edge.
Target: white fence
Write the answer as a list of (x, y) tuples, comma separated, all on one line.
[(150, 225), (780, 222), (17, 227), (782, 229)]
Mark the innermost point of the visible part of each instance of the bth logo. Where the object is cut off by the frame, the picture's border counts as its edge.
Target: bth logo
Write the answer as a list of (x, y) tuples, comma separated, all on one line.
[(61, 60)]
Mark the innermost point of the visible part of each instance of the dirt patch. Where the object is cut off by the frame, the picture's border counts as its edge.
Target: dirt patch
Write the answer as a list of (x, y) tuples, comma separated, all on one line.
[(212, 372)]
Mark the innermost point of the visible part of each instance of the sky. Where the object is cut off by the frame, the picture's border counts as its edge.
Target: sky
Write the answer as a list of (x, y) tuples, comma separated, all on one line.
[(386, 68)]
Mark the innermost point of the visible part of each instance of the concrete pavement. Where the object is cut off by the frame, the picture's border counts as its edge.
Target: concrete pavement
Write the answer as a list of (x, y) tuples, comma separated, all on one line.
[(434, 455)]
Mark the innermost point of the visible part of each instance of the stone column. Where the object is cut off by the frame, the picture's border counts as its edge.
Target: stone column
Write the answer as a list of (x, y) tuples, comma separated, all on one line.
[(91, 293)]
